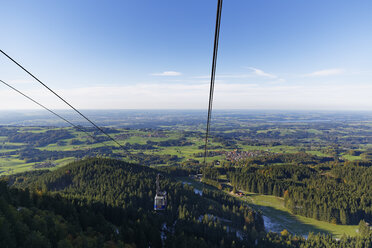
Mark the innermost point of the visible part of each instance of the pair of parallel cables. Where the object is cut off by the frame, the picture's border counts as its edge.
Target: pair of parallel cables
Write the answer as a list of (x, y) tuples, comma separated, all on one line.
[(210, 103), (53, 112)]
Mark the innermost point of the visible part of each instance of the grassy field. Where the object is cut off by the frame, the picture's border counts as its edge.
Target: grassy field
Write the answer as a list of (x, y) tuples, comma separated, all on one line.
[(277, 217), (351, 158), (280, 218), (14, 165), (276, 149), (318, 153)]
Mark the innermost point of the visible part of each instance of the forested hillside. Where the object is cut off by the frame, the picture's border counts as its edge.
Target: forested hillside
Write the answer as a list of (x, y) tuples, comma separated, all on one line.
[(109, 203), (104, 201), (337, 193)]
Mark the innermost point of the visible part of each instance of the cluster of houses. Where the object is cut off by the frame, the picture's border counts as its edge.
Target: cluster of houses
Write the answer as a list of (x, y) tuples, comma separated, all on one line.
[(238, 193), (236, 155)]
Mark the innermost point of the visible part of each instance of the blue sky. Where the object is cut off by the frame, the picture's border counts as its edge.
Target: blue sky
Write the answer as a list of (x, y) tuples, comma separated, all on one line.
[(288, 54)]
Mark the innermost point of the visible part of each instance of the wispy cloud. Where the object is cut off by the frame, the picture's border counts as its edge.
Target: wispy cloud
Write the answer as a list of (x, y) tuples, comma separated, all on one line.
[(254, 75), (167, 73), (195, 96), (261, 73), (277, 81), (326, 72)]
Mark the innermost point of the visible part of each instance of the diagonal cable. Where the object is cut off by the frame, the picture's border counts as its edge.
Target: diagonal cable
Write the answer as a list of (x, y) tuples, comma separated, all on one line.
[(86, 118), (213, 75), (51, 111)]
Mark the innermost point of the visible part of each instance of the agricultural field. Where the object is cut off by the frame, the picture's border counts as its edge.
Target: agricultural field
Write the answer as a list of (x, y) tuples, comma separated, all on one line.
[(247, 152), (177, 138)]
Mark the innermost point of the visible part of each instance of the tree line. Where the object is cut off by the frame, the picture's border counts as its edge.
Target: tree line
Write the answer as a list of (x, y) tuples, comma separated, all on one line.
[(110, 201), (341, 195)]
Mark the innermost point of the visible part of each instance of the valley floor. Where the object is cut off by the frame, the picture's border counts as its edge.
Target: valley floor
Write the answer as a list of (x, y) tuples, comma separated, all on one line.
[(277, 217)]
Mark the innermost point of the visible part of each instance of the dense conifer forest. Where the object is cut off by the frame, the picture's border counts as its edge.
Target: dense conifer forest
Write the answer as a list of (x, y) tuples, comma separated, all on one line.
[(340, 193), (109, 203), (102, 201)]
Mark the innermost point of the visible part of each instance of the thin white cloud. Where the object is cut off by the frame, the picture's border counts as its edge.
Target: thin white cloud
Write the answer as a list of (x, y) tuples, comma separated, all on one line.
[(195, 96), (261, 73), (167, 73), (256, 72), (326, 72), (277, 81)]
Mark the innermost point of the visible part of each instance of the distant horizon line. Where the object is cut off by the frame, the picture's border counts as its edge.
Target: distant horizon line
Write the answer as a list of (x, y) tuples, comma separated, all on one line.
[(181, 109)]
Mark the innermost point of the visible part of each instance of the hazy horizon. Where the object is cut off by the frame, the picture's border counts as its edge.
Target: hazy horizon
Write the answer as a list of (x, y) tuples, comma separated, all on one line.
[(194, 110), (150, 117)]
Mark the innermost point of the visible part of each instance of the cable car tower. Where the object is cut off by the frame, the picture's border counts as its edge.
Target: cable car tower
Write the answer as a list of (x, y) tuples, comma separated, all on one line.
[(160, 201)]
